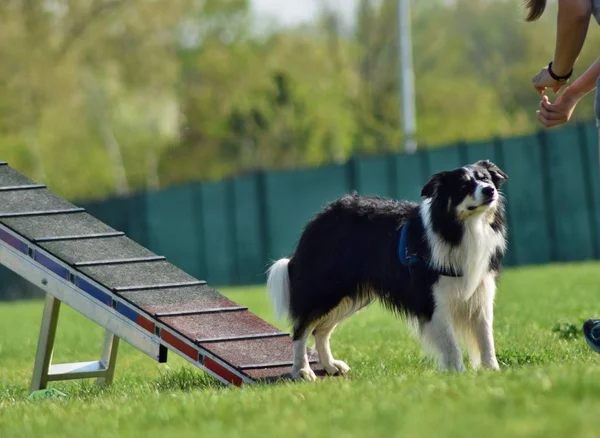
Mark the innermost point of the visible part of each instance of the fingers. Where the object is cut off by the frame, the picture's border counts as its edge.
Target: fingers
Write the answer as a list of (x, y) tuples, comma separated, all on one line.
[(535, 82), (543, 81), (550, 108), (561, 106), (541, 88), (548, 115), (551, 115), (548, 123)]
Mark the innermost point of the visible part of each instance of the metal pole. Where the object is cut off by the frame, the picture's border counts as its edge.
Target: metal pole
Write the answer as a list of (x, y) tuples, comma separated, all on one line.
[(407, 77)]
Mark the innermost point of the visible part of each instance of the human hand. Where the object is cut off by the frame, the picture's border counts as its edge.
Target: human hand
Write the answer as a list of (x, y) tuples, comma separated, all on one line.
[(543, 80), (559, 112)]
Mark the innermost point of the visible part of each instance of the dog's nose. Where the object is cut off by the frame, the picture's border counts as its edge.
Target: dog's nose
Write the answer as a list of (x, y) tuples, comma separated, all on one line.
[(488, 191)]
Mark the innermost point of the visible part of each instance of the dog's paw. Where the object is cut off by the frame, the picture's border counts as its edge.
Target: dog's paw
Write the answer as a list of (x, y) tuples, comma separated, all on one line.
[(475, 366), (337, 367), (452, 367), (492, 366), (304, 374)]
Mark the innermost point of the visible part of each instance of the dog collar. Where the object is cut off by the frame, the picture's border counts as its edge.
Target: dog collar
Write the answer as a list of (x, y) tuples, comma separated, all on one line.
[(409, 256)]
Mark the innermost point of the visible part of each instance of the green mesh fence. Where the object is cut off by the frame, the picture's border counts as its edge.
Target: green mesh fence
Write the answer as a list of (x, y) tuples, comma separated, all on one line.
[(375, 176), (292, 198), (525, 192), (251, 245), (567, 196), (411, 175), (173, 228), (228, 232), (589, 140), (219, 235), (444, 159)]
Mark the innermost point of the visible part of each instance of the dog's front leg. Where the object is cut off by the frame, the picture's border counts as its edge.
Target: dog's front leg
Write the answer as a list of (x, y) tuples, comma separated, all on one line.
[(440, 334), (485, 339), (483, 323)]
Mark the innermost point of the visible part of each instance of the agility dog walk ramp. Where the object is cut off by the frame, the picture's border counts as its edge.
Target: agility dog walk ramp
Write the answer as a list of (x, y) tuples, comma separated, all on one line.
[(131, 292)]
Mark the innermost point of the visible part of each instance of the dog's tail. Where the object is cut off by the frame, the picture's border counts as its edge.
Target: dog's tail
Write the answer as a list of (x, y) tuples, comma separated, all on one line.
[(278, 286)]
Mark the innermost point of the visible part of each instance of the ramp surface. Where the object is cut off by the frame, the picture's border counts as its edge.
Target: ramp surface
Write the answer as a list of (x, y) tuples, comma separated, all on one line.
[(184, 314)]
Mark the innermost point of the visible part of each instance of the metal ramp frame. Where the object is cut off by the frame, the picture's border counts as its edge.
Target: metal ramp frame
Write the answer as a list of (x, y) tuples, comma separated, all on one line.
[(136, 295)]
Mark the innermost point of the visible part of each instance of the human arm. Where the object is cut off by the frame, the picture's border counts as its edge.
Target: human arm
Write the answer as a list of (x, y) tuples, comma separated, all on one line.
[(554, 114), (572, 25)]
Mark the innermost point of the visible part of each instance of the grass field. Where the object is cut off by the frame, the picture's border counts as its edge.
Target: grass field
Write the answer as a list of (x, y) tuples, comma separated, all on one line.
[(549, 385)]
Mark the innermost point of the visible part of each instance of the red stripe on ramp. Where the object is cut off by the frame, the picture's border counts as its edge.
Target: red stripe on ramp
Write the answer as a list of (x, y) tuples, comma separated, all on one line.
[(179, 344), (223, 372), (146, 323)]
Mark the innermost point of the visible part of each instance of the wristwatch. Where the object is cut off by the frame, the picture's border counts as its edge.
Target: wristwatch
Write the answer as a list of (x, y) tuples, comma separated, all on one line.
[(559, 78)]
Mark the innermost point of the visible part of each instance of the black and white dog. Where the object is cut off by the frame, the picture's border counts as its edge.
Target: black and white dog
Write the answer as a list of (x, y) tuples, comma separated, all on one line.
[(436, 263)]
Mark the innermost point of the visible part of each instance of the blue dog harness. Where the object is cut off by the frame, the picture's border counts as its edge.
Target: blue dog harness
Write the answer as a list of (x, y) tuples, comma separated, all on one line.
[(405, 258), (411, 258)]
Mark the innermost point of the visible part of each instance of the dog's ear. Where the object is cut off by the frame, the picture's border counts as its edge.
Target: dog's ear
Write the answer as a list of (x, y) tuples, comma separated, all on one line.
[(498, 175), (430, 188)]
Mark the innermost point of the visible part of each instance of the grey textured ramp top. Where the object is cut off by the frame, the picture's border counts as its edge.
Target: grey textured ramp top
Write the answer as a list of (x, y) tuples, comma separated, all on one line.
[(37, 227), (224, 333), (87, 250)]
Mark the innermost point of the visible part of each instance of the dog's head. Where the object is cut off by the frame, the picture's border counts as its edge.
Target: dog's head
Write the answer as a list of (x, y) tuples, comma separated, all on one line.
[(468, 190)]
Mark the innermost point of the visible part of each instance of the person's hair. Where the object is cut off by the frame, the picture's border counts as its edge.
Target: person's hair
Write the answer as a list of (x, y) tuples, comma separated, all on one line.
[(536, 9)]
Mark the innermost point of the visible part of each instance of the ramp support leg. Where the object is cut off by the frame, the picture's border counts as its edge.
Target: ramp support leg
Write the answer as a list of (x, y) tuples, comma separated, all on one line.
[(44, 371), (109, 357), (43, 357)]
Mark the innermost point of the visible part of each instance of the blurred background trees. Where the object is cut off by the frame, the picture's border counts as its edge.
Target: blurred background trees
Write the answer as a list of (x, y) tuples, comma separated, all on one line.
[(109, 96)]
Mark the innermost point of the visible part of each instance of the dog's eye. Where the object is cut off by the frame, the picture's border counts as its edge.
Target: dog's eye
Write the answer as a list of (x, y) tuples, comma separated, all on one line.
[(484, 178)]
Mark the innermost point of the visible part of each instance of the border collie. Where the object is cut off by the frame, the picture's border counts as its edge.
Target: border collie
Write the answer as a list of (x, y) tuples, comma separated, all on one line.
[(435, 263)]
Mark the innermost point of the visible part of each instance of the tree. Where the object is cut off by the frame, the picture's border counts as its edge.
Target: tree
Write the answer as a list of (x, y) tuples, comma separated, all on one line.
[(111, 96)]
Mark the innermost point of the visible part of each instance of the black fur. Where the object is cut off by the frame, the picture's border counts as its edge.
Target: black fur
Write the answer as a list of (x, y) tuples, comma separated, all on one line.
[(496, 261), (350, 249)]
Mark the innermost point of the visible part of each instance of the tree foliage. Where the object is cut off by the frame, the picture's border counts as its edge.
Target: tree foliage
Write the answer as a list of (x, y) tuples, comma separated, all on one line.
[(109, 96)]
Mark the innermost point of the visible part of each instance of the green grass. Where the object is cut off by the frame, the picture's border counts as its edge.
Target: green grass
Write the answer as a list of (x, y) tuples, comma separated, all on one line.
[(549, 384)]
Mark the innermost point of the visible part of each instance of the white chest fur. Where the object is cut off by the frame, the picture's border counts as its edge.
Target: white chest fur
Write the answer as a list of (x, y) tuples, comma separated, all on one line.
[(471, 256)]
